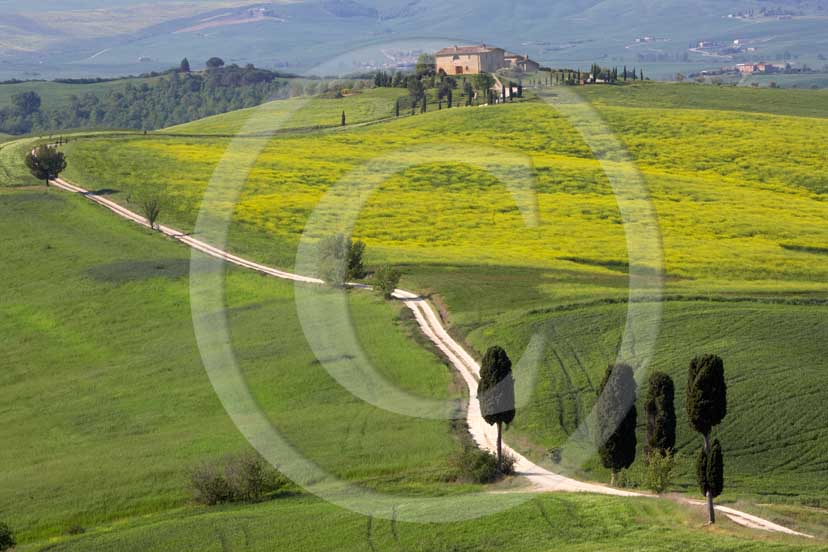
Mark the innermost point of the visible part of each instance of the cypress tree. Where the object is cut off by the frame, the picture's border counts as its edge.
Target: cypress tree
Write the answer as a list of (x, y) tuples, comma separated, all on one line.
[(343, 118), (616, 413), (706, 407), (659, 407), (496, 393), (710, 470), (185, 66)]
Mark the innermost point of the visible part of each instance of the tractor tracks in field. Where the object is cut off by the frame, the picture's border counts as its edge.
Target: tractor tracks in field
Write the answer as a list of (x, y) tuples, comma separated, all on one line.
[(484, 435)]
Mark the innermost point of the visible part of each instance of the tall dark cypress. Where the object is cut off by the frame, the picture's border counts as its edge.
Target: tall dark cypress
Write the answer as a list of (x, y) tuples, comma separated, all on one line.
[(616, 416), (706, 407), (659, 407)]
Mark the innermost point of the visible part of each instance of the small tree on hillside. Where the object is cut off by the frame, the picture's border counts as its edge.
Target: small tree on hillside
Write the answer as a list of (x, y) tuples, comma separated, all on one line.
[(185, 66), (496, 393), (617, 417), (386, 280), (215, 63), (46, 163), (340, 259), (151, 208), (659, 407), (706, 408)]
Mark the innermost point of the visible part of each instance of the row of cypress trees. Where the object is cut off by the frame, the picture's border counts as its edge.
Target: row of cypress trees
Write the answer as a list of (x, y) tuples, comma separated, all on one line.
[(615, 434), (705, 406)]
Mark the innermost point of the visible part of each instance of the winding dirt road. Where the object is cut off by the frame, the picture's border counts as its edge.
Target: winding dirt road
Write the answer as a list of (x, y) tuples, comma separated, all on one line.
[(484, 435)]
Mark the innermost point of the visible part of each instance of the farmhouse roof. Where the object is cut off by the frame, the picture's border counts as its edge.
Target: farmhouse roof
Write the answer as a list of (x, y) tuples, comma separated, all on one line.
[(465, 50)]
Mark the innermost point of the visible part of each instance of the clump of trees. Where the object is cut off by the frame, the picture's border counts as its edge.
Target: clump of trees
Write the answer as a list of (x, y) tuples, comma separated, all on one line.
[(243, 478), (616, 417), (46, 163), (178, 97), (496, 393), (341, 260), (7, 540), (706, 408)]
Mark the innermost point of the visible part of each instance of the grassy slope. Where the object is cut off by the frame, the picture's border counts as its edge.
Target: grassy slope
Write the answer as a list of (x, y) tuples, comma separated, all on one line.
[(293, 169), (807, 103), (565, 522), (298, 113), (695, 162), (813, 80), (775, 363), (110, 405), (57, 94)]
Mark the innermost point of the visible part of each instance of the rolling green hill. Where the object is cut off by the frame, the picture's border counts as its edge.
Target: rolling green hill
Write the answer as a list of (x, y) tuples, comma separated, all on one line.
[(57, 94), (124, 411), (744, 277), (456, 230), (298, 113)]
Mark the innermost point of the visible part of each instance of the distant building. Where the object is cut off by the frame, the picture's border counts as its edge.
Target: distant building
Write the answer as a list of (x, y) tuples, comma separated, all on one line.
[(751, 68), (521, 63), (472, 60)]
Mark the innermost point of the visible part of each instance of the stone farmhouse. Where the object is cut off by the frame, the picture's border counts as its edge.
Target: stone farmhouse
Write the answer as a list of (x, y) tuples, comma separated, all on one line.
[(472, 60)]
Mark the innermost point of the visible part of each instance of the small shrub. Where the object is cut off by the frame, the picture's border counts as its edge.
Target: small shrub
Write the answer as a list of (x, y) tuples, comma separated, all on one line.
[(555, 455), (508, 464), (243, 478), (386, 280), (473, 465), (7, 540), (629, 478), (209, 485), (660, 471), (250, 478), (75, 530)]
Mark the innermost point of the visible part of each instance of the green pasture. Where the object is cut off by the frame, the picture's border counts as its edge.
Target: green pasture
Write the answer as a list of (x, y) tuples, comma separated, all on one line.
[(740, 200), (57, 94), (111, 406), (304, 112), (545, 523), (805, 103)]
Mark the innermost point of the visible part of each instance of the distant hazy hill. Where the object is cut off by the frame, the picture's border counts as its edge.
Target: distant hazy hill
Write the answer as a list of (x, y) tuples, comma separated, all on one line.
[(70, 37)]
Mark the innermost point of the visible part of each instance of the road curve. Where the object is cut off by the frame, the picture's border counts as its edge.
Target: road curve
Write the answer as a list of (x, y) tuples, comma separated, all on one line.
[(484, 435)]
